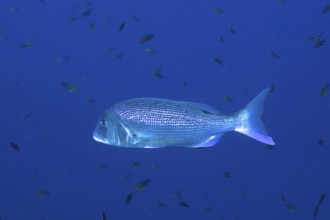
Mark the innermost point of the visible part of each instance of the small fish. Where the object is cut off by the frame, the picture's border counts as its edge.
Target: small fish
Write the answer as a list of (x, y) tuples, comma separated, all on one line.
[(74, 19), (15, 146), (88, 3), (25, 117), (217, 60), (90, 101), (291, 207), (127, 176), (104, 216), (243, 193), (156, 73), (142, 184), (154, 123), (118, 56), (150, 51), (177, 194), (87, 12), (121, 27), (110, 49), (69, 86), (320, 142), (161, 205), (13, 9), (135, 164), (207, 209), (231, 30), (42, 192), (228, 174), (227, 99), (129, 198), (324, 90), (224, 190), (91, 27), (26, 44), (217, 10), (316, 209), (147, 37), (135, 18), (184, 204), (221, 39), (102, 166), (326, 9), (318, 41), (274, 55)]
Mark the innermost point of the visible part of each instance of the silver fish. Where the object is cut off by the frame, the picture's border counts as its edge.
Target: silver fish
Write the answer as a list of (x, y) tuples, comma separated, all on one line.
[(154, 123)]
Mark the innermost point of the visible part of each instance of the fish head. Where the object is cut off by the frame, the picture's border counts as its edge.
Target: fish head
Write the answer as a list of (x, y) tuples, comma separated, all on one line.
[(110, 129)]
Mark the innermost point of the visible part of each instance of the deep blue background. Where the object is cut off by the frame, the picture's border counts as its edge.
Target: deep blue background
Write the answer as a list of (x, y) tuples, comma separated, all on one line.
[(59, 155)]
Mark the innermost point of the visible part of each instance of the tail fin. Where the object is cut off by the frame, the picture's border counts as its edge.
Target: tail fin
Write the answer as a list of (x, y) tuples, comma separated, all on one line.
[(251, 119)]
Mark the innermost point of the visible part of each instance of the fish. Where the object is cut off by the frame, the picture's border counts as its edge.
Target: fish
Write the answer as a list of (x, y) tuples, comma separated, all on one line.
[(318, 41), (178, 195), (227, 99), (141, 185), (217, 10), (316, 209), (207, 209), (155, 123), (326, 9), (217, 60), (274, 55), (15, 146), (157, 74), (25, 117), (129, 198), (121, 27), (87, 12), (184, 204), (146, 37), (104, 216), (291, 207), (69, 86), (91, 27), (135, 164), (149, 51), (118, 56), (320, 142), (26, 44), (135, 18), (102, 166), (161, 205), (325, 90), (74, 19), (231, 30), (42, 192), (228, 174)]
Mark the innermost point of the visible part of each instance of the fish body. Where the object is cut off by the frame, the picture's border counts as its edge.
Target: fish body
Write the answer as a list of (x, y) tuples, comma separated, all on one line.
[(154, 122)]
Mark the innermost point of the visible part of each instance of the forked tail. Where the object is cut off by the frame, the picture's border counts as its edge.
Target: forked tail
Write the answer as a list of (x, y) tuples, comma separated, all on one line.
[(251, 119)]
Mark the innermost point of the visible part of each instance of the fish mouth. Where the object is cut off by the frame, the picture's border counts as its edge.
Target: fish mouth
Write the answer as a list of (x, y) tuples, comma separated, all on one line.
[(98, 137)]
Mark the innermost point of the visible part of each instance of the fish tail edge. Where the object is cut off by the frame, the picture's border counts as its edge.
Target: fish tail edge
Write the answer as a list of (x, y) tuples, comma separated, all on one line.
[(250, 118)]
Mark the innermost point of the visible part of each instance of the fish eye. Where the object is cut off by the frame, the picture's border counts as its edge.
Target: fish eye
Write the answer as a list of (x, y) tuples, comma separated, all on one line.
[(103, 122)]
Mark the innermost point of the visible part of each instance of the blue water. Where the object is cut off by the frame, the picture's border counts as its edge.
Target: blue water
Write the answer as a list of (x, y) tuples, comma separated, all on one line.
[(53, 126)]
